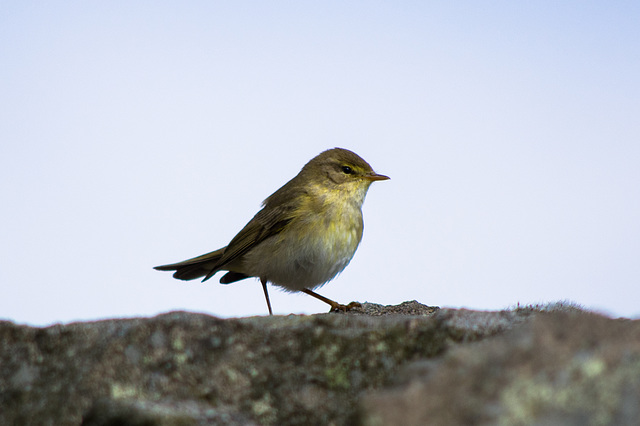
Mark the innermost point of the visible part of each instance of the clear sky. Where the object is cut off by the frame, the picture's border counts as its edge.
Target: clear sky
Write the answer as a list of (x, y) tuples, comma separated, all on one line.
[(140, 133)]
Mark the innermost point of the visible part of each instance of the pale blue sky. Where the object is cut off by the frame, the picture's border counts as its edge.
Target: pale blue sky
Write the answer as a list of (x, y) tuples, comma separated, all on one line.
[(141, 133)]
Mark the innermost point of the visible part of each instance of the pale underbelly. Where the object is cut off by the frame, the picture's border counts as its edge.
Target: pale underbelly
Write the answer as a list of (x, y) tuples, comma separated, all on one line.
[(298, 263)]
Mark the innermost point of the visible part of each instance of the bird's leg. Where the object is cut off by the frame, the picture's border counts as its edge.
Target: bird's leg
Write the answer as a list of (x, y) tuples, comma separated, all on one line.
[(335, 306), (266, 295)]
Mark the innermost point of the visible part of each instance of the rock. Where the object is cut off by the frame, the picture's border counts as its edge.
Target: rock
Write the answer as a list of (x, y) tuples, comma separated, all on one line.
[(375, 365), (558, 368)]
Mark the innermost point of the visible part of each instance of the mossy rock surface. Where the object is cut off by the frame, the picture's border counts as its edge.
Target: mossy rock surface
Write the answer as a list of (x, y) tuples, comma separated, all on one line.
[(374, 365)]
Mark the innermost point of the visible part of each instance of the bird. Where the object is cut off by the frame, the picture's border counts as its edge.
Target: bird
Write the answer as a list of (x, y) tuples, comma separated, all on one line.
[(306, 233)]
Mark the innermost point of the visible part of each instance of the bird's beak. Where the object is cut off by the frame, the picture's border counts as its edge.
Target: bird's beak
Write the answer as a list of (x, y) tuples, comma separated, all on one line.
[(374, 176)]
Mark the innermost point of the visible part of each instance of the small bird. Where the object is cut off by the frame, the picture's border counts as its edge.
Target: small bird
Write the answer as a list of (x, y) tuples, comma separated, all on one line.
[(305, 234)]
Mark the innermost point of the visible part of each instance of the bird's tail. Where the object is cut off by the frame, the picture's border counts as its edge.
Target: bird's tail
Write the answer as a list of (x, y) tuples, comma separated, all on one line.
[(202, 266)]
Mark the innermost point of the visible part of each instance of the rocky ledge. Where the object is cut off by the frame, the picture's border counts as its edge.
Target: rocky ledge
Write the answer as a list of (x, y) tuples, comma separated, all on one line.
[(377, 365)]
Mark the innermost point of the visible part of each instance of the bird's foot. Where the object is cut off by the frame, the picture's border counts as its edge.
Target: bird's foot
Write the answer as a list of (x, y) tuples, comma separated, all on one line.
[(337, 307)]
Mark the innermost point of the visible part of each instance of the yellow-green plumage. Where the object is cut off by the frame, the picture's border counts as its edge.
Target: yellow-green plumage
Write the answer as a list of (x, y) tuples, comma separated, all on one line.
[(306, 233)]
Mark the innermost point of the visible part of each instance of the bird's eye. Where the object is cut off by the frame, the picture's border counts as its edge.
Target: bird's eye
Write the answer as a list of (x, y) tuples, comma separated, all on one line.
[(347, 170)]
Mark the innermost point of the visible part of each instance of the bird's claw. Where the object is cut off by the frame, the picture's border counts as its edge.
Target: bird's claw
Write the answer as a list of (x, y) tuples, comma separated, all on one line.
[(344, 308)]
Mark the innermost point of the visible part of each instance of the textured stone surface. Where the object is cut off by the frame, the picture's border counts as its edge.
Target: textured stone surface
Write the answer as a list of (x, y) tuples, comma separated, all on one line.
[(562, 368), (376, 365)]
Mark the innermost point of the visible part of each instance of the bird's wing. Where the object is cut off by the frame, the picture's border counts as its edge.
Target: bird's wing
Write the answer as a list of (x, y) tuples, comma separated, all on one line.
[(277, 212), (279, 209), (264, 224)]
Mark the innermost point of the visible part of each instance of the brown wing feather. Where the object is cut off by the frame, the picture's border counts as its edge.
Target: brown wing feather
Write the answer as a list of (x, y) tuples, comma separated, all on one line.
[(263, 225), (277, 212)]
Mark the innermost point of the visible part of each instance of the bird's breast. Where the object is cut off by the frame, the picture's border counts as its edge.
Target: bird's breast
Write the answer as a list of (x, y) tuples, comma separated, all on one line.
[(311, 250)]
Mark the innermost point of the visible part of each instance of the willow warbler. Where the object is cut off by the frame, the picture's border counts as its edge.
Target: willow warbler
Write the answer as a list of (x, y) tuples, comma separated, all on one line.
[(306, 233)]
